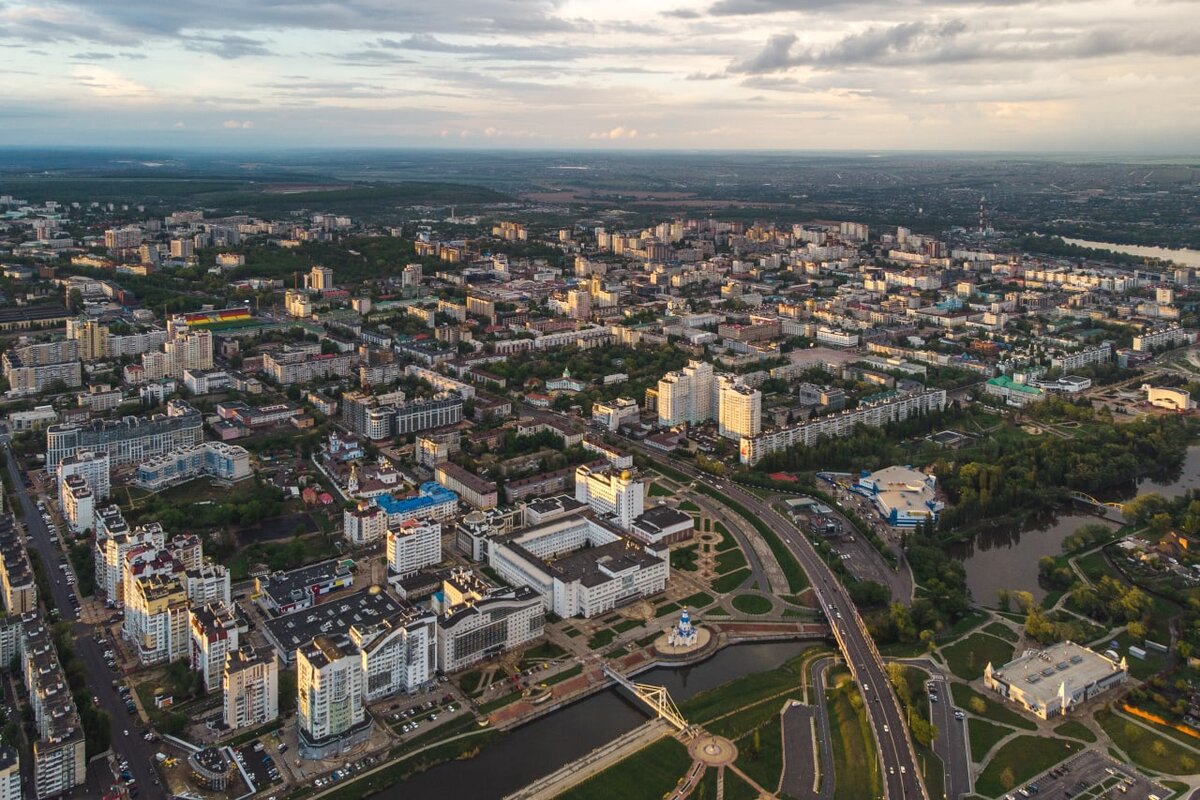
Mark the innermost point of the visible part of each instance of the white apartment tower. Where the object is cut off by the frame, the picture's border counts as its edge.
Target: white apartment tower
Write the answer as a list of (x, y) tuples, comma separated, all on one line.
[(250, 684), (686, 396), (740, 411), (329, 686), (413, 545)]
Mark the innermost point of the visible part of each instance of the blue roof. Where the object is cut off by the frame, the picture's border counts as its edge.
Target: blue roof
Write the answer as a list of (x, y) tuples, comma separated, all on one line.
[(431, 494)]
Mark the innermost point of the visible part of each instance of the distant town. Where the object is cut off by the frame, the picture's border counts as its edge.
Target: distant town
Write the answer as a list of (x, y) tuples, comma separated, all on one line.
[(305, 504)]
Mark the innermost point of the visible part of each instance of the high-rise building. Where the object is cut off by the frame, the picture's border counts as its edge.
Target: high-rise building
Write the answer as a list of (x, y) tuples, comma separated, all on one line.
[(329, 688), (610, 491), (130, 440), (250, 684), (740, 411), (78, 504), (364, 524), (92, 466), (319, 278), (579, 304), (10, 773), (214, 634), (92, 337), (17, 585), (156, 619), (58, 751), (413, 545), (686, 396), (396, 654), (125, 238)]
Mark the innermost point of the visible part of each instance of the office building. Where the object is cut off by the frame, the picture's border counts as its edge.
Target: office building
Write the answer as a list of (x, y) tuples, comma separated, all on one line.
[(397, 654), (740, 409), (615, 413), (127, 441), (330, 712), (413, 545), (478, 621), (250, 687), (579, 566), (615, 493), (214, 635)]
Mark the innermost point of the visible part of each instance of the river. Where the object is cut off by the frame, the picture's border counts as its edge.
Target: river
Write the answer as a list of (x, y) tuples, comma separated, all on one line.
[(542, 746), (1006, 558), (1189, 258)]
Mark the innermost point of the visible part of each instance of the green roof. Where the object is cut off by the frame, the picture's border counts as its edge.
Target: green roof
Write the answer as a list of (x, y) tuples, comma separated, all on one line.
[(1008, 383)]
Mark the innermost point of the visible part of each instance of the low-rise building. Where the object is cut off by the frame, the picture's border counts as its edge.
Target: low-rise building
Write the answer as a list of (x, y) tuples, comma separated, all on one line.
[(298, 589), (903, 496), (1049, 682), (432, 500), (477, 491)]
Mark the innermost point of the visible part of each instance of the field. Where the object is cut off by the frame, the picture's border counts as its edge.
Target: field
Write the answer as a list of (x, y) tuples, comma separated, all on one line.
[(984, 735), (856, 770), (651, 772), (968, 658), (1146, 748)]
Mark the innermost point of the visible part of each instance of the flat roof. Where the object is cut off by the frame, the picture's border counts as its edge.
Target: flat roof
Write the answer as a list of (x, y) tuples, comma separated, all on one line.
[(334, 619), (1039, 673), (286, 587)]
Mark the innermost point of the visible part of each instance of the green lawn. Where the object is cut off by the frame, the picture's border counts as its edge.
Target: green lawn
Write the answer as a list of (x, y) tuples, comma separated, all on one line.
[(727, 541), (658, 490), (968, 658), (994, 710), (855, 768), (729, 561), (697, 600), (766, 766), (984, 735), (684, 558), (752, 604), (1003, 631), (666, 608), (1021, 759), (651, 772), (1076, 730), (740, 692), (727, 583), (737, 789), (1146, 748), (602, 638), (688, 505), (566, 674), (627, 625)]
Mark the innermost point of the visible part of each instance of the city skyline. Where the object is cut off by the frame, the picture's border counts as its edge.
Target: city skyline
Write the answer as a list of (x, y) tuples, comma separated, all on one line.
[(999, 75)]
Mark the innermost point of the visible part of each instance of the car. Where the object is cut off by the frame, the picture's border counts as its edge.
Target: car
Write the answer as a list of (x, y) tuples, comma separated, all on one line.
[(127, 731), (903, 770), (886, 729)]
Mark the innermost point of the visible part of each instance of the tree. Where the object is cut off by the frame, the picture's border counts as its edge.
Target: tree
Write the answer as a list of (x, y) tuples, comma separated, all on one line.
[(1158, 748), (1136, 630), (1005, 599), (1008, 778), (977, 705)]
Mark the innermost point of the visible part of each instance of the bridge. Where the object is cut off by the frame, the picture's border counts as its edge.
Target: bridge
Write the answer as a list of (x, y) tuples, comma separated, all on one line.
[(658, 698), (1102, 507)]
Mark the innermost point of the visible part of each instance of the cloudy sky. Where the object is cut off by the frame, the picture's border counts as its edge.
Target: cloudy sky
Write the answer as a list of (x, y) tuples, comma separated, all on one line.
[(604, 74)]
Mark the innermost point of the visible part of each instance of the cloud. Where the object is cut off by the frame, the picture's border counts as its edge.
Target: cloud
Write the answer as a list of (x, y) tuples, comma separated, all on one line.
[(912, 44), (227, 46), (236, 124), (502, 52), (109, 83), (618, 132)]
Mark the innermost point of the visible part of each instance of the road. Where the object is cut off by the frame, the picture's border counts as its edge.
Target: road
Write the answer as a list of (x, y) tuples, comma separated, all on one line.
[(133, 747), (900, 775), (951, 741)]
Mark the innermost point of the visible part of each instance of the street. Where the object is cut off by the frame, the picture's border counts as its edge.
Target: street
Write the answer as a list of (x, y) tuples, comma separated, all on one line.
[(951, 741), (132, 747)]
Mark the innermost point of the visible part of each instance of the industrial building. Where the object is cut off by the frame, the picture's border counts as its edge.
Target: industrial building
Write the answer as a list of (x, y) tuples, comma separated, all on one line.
[(1048, 682)]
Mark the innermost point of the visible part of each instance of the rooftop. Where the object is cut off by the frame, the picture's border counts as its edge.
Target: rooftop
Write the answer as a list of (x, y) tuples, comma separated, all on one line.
[(333, 619), (1040, 673)]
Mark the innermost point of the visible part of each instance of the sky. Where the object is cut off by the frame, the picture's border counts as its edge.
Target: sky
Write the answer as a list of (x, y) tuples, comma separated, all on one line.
[(1057, 75)]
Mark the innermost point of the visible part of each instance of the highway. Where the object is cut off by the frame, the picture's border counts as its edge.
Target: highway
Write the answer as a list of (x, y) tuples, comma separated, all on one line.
[(901, 777), (132, 747)]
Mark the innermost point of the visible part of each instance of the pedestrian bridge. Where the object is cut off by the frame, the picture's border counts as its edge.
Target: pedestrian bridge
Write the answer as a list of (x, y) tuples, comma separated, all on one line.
[(1106, 509), (656, 697)]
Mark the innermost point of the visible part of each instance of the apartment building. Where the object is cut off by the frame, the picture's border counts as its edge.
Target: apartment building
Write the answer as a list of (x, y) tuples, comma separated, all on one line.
[(364, 524), (330, 712), (413, 545), (740, 409), (479, 492), (214, 635), (218, 460), (78, 504), (156, 618), (250, 687), (130, 440)]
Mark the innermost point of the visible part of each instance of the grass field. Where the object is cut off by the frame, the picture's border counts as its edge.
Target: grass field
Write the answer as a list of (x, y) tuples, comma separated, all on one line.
[(697, 600), (984, 735), (1146, 748), (1076, 730), (994, 711), (729, 561), (658, 490), (855, 768), (968, 658), (727, 583), (1001, 630), (767, 767), (713, 703), (752, 604), (1021, 759), (651, 772)]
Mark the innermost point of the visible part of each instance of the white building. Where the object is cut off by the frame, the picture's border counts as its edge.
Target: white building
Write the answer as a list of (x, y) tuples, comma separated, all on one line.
[(903, 496), (250, 685), (740, 409), (78, 503), (94, 467), (1049, 682), (10, 773), (614, 413), (611, 491), (329, 687), (579, 566), (207, 583), (214, 635), (156, 619), (396, 655), (413, 545), (478, 621), (686, 396), (364, 524), (219, 460)]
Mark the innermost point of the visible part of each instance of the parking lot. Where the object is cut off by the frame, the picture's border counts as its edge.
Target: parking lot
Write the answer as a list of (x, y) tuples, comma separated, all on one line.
[(259, 762), (1090, 775)]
